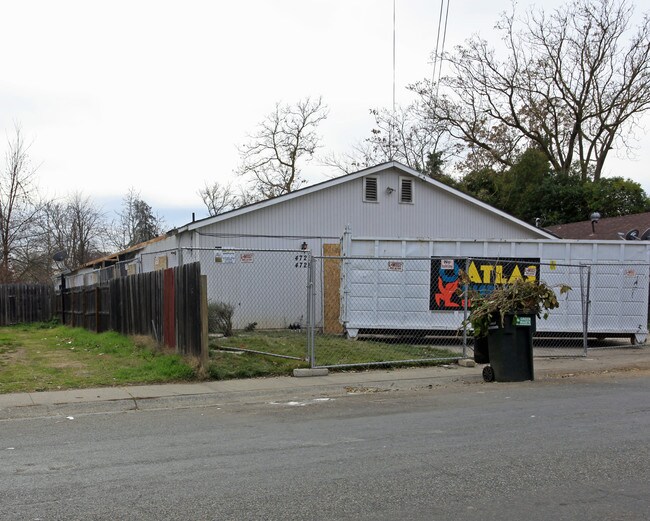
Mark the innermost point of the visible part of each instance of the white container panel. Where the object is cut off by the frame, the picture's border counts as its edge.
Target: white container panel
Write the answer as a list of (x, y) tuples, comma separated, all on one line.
[(582, 252), (390, 277), (609, 253), (417, 249), (618, 294), (390, 249), (631, 309), (554, 251), (415, 305), (416, 292)]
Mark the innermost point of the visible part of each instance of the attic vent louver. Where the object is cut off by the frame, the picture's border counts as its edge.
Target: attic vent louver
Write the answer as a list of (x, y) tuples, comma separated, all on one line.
[(370, 189), (406, 190)]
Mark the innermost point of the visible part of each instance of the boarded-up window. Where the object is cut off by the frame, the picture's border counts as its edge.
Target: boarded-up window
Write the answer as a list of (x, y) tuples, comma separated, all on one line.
[(405, 190), (370, 189), (160, 263)]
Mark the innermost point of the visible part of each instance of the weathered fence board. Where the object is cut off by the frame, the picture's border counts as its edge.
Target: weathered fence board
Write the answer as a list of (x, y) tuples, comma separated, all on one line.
[(25, 303), (165, 305), (162, 304)]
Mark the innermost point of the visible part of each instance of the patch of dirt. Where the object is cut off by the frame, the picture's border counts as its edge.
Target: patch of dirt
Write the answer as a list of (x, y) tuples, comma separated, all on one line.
[(61, 361), (9, 355)]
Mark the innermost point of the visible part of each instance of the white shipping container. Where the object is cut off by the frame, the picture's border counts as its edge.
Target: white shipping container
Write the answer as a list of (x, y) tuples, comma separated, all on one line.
[(387, 284)]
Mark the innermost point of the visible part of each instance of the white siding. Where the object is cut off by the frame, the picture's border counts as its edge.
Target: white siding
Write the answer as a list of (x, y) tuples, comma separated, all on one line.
[(322, 215)]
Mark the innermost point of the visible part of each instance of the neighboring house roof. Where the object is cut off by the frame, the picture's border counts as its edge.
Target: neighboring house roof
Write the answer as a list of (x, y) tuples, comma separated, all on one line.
[(351, 177), (610, 228), (121, 255)]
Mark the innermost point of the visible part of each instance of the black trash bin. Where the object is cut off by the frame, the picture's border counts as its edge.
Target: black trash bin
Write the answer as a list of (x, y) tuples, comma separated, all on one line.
[(510, 349), (481, 353)]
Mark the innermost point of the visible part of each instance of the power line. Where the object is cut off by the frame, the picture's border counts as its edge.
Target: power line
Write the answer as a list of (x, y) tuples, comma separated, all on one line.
[(436, 64)]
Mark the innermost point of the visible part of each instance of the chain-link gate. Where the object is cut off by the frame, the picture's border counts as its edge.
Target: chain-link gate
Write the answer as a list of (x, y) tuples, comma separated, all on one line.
[(261, 294)]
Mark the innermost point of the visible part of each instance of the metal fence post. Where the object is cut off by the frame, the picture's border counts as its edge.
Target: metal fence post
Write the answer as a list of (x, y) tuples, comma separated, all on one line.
[(584, 289), (310, 312), (465, 298)]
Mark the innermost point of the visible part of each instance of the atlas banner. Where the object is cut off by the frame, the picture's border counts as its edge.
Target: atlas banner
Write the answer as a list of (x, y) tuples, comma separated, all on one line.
[(483, 275)]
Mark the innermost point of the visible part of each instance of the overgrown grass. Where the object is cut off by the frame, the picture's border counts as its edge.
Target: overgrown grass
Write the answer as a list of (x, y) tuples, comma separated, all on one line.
[(330, 350), (42, 357)]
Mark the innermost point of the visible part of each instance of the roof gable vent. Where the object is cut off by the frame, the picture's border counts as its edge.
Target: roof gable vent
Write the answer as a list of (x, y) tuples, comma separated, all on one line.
[(370, 189), (405, 190)]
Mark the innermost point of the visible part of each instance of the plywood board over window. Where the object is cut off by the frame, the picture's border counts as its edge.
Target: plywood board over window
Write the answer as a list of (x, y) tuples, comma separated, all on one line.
[(160, 263), (331, 290)]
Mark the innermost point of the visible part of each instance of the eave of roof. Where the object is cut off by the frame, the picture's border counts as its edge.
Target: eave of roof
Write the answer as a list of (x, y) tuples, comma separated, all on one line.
[(351, 177), (115, 257)]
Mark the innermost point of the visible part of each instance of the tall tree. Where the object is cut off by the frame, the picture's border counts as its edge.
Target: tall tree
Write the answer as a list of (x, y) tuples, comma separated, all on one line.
[(136, 222), (18, 207), (530, 190), (572, 85), (615, 196), (76, 227), (286, 138)]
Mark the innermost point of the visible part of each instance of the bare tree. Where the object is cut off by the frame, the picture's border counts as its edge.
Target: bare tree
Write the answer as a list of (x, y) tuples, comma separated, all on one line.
[(286, 137), (407, 135), (76, 227), (573, 85), (18, 208), (219, 198), (135, 223)]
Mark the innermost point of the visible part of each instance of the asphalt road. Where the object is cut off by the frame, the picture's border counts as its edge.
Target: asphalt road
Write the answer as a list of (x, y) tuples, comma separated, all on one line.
[(575, 448)]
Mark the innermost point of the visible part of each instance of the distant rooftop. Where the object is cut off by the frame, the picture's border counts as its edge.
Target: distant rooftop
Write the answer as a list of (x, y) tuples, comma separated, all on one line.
[(605, 229)]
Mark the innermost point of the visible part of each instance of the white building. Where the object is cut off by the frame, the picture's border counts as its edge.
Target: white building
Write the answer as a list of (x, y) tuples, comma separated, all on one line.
[(388, 200), (253, 256)]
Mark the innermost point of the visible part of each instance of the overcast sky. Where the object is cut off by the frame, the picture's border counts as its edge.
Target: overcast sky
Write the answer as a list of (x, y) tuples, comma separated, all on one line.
[(157, 95)]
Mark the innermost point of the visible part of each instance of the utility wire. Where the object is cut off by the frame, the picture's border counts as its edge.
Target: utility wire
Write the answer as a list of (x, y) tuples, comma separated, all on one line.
[(442, 50)]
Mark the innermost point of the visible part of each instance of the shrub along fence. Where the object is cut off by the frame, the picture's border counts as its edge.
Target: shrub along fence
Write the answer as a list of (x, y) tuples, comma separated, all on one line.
[(25, 303), (169, 305)]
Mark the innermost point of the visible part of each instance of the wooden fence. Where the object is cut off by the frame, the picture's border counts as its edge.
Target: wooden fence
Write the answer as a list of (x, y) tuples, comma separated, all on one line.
[(25, 303), (168, 305)]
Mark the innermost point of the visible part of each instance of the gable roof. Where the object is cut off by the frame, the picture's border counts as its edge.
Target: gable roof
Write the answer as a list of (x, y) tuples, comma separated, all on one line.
[(605, 229), (352, 177)]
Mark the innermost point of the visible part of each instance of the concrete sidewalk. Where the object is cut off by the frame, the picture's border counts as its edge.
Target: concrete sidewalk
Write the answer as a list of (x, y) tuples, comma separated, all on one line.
[(115, 399)]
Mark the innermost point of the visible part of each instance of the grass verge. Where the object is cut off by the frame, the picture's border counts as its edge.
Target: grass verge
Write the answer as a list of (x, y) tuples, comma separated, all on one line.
[(46, 357)]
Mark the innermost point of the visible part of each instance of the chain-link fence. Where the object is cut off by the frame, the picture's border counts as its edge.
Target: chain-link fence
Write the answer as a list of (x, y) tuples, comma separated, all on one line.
[(414, 309), (354, 311), (618, 308), (382, 307), (260, 294)]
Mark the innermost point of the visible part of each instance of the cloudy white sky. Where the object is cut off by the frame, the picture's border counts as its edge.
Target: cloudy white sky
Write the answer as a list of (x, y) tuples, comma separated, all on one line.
[(157, 95)]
